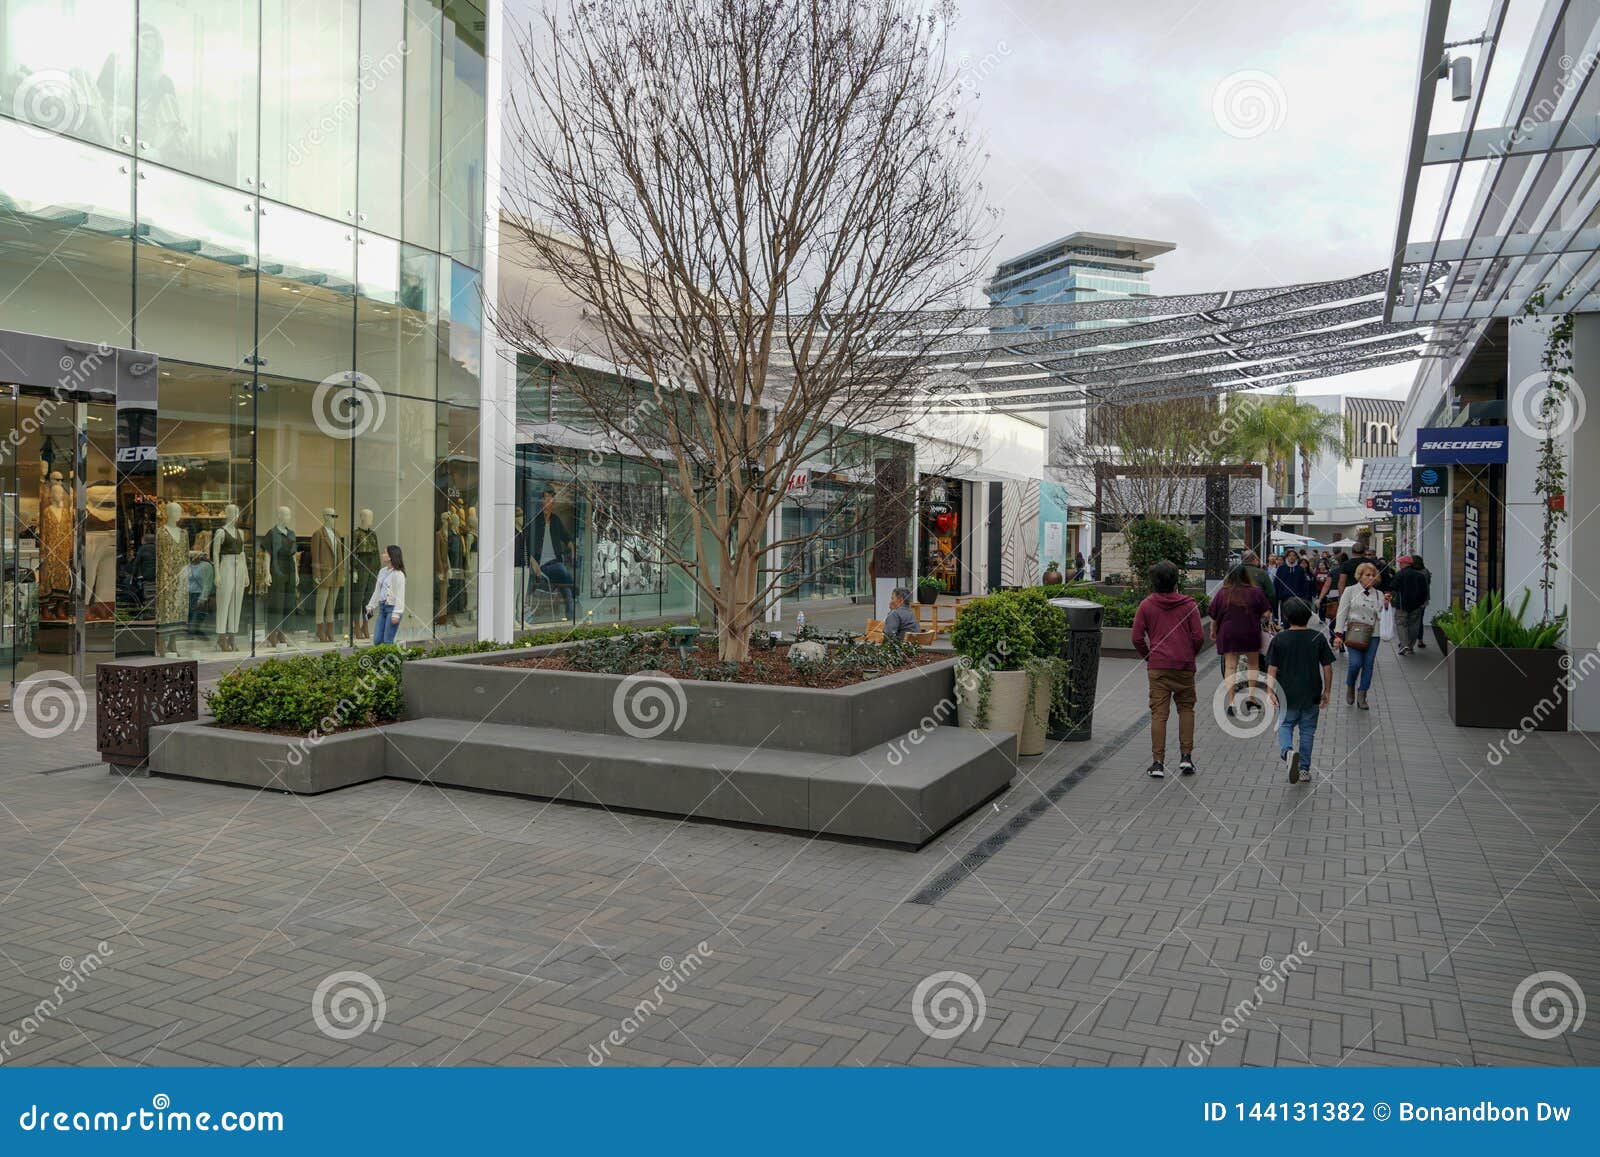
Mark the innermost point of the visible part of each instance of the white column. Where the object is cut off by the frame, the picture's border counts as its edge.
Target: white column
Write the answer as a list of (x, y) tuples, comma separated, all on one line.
[(1580, 555), (1524, 508), (497, 413)]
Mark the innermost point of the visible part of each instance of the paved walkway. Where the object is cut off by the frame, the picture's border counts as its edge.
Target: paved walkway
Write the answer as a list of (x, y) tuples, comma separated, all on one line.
[(1097, 916)]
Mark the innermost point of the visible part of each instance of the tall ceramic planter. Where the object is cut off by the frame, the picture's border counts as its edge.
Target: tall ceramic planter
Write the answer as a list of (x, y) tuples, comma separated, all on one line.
[(1008, 706)]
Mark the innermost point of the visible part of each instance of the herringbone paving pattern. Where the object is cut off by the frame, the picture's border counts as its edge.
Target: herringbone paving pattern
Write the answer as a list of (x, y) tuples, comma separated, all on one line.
[(1124, 924)]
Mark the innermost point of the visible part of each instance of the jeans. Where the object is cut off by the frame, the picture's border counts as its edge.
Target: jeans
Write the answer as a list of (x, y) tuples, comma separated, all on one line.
[(1306, 719), (560, 580), (1362, 664), (385, 628)]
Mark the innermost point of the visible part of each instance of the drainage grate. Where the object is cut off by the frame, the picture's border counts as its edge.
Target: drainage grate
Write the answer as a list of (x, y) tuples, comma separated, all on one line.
[(74, 767), (989, 845)]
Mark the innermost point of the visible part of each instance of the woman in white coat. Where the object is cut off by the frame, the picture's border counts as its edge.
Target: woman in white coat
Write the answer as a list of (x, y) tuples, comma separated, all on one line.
[(388, 601), (1361, 604)]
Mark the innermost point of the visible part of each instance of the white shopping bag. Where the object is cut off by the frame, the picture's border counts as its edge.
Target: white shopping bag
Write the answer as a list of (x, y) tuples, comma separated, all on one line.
[(1386, 623)]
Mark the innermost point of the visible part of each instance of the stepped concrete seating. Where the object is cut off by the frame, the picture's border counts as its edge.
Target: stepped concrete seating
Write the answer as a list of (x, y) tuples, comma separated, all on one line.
[(876, 760)]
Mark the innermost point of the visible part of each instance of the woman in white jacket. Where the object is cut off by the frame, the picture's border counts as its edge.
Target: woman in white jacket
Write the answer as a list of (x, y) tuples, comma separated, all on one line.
[(388, 599), (1361, 602)]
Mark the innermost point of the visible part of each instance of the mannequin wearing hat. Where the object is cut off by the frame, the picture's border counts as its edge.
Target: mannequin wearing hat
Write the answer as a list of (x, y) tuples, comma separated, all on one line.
[(327, 572), (55, 537), (232, 576)]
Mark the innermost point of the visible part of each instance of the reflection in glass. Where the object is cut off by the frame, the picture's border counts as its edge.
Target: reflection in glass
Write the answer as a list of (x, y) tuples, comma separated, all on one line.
[(395, 506), (384, 52), (424, 103), (66, 253), (465, 101), (196, 287), (455, 556), (302, 471), (198, 87), (310, 54), (460, 335), (67, 66), (307, 286), (397, 316), (206, 463)]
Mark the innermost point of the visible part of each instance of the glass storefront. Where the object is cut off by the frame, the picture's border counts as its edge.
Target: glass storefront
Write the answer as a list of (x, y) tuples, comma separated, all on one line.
[(831, 562), (942, 533), (283, 202)]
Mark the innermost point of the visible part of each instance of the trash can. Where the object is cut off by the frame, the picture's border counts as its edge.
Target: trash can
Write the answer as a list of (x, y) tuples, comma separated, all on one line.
[(1081, 650)]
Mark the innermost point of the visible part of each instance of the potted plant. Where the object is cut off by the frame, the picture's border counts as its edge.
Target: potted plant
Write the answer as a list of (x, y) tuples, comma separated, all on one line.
[(1052, 573), (928, 590), (1502, 673), (1440, 639), (1012, 672)]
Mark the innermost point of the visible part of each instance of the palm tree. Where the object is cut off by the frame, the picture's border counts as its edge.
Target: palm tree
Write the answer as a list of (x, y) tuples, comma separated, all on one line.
[(1273, 428)]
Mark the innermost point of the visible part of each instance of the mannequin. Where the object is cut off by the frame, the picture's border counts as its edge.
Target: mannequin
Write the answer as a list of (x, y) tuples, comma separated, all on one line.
[(55, 537), (232, 576), (327, 573), (519, 561), (100, 551), (282, 554), (441, 569), (364, 558), (457, 544), (172, 559), (471, 580)]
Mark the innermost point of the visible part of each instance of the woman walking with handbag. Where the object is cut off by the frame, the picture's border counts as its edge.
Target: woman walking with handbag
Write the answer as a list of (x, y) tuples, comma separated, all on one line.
[(1355, 630)]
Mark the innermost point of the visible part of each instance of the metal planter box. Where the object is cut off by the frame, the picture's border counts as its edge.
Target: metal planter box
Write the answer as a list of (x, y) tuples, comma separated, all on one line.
[(1521, 689)]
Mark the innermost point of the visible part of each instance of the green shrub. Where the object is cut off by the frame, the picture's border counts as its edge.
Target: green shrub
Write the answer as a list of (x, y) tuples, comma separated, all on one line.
[(312, 693), (994, 631), (1152, 540), (1492, 623), (1049, 623)]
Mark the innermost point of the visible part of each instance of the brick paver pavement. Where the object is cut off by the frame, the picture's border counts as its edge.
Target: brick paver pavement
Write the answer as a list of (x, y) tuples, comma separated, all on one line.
[(1106, 918)]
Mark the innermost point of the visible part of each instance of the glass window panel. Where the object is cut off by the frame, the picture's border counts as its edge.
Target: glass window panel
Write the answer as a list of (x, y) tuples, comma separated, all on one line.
[(310, 56), (198, 82), (206, 463), (424, 102), (455, 557), (460, 335), (395, 505), (68, 65), (462, 163), (195, 290), (383, 64), (397, 316), (304, 317), (302, 469), (66, 248)]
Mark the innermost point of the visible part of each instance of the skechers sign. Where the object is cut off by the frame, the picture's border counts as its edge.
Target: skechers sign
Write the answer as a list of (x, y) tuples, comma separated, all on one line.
[(1443, 445)]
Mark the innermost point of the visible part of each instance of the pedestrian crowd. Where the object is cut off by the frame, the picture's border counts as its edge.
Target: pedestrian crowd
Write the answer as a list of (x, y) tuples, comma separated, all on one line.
[(1261, 620)]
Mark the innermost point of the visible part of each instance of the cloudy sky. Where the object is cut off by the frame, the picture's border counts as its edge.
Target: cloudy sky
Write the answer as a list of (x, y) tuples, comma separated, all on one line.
[(1265, 138)]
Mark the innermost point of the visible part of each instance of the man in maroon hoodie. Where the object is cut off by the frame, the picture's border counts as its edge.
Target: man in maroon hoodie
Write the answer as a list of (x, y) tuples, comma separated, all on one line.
[(1166, 633)]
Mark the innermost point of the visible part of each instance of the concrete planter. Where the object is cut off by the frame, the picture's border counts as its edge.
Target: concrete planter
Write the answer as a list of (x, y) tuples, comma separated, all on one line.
[(203, 750), (1521, 689), (838, 721), (1117, 643), (1008, 706)]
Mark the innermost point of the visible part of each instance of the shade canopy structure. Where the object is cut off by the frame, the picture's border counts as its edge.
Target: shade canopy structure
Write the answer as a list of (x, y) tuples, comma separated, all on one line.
[(1128, 350), (1342, 544), (1288, 538), (1517, 188)]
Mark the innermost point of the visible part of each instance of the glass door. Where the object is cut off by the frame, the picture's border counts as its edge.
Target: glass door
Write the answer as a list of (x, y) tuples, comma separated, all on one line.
[(57, 535)]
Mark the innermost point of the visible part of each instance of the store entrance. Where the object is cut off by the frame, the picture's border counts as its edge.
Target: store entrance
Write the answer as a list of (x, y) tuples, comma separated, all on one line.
[(58, 534)]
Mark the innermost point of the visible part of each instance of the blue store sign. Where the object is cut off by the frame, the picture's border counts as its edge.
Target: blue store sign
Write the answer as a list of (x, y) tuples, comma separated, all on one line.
[(1443, 445), (1429, 482)]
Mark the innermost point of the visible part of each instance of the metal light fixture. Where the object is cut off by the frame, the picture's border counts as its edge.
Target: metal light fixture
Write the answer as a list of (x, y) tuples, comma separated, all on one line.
[(1461, 79)]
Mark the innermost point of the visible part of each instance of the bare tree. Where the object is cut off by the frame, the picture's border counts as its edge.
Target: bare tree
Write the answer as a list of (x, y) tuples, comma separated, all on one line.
[(744, 195), (1140, 456)]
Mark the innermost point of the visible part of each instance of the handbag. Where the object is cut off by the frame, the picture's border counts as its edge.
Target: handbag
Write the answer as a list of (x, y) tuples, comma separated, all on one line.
[(1358, 636)]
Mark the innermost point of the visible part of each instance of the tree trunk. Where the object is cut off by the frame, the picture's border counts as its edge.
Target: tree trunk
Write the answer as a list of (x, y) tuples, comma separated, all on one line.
[(736, 609), (1305, 493)]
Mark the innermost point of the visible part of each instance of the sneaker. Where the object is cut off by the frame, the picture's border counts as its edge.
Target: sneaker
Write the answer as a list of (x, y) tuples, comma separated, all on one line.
[(1421, 646), (1292, 759), (1186, 765), (1305, 774), (1230, 711), (1156, 771)]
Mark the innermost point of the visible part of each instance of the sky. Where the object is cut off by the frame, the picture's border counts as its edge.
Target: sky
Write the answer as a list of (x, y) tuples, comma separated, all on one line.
[(1265, 138)]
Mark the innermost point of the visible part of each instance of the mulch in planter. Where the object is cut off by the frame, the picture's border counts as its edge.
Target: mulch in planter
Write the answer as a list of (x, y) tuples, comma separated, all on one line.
[(770, 668)]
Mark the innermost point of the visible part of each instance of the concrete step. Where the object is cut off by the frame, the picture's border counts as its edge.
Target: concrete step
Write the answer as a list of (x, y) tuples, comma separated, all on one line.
[(905, 791)]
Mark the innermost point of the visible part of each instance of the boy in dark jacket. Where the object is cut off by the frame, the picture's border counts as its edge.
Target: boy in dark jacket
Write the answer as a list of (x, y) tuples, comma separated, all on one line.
[(1300, 665), (1166, 633)]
